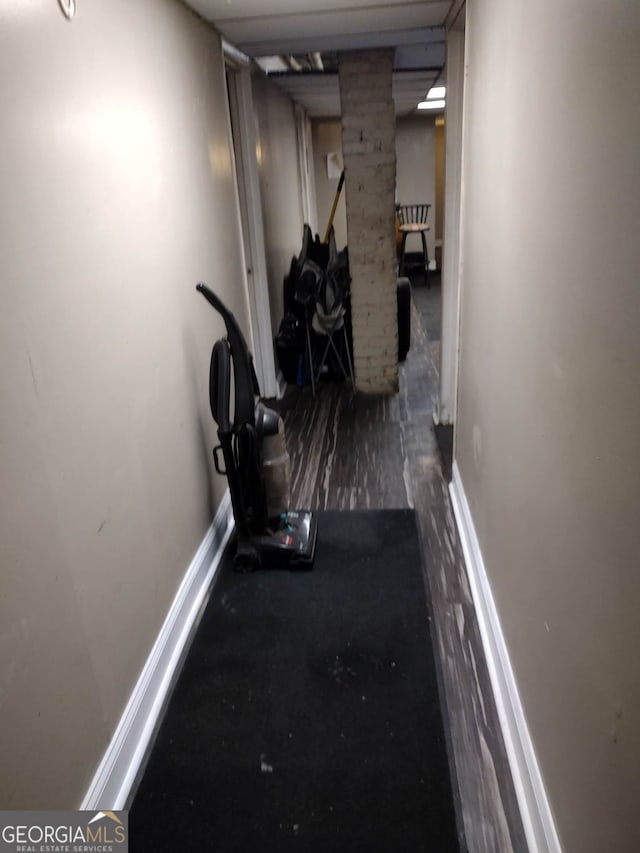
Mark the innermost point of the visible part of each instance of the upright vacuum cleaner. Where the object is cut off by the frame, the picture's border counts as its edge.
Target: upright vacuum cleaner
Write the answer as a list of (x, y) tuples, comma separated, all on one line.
[(254, 459)]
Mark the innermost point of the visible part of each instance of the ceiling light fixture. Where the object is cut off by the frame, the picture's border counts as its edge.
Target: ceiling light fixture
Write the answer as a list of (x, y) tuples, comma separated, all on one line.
[(431, 105), (436, 93)]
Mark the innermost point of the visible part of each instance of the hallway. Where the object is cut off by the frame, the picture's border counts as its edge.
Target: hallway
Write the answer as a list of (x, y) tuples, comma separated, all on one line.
[(120, 193), (355, 452)]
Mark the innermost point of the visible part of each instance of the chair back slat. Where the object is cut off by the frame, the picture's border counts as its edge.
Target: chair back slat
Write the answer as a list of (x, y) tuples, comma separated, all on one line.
[(409, 214)]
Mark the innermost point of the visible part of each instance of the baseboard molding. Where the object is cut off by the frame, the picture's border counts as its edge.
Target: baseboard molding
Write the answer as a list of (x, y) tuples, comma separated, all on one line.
[(535, 809), (121, 763)]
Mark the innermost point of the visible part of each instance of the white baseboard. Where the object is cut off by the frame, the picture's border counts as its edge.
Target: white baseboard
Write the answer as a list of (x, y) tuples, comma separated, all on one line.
[(535, 809), (121, 763)]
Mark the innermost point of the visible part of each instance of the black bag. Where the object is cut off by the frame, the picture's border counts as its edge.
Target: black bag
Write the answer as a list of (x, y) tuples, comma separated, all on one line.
[(404, 317), (290, 347)]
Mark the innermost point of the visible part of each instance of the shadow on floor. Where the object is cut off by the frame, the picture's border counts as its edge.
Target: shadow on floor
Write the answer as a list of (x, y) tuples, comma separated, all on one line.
[(428, 301)]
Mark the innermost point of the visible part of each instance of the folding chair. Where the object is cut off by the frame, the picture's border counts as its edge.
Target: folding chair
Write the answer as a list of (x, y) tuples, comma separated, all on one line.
[(324, 295), (331, 309)]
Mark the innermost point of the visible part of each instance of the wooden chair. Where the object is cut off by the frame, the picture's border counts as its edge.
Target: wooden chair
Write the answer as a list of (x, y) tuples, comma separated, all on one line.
[(412, 219)]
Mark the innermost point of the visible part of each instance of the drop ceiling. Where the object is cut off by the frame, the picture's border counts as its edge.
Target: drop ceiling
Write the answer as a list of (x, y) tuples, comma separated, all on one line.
[(299, 28)]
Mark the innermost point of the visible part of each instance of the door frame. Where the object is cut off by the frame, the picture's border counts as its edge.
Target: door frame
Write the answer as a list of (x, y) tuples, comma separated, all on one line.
[(305, 168), (452, 256), (243, 138)]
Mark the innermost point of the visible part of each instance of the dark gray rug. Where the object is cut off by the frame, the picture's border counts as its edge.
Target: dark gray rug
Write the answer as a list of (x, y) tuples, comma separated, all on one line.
[(307, 715)]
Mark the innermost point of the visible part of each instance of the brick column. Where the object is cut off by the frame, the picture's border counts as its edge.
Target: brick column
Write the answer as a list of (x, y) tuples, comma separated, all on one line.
[(369, 154)]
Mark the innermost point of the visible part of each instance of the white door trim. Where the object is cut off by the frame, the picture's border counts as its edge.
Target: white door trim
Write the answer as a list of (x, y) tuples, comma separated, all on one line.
[(452, 261), (305, 168), (245, 143)]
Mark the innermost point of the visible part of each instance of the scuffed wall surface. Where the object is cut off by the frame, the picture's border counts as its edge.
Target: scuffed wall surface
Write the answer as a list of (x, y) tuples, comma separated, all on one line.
[(117, 187), (547, 436)]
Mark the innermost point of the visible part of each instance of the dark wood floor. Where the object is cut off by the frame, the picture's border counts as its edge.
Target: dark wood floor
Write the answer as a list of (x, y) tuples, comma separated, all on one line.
[(353, 451)]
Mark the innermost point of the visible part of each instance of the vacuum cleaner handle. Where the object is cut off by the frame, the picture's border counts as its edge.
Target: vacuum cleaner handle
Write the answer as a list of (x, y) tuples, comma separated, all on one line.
[(245, 380), (220, 385)]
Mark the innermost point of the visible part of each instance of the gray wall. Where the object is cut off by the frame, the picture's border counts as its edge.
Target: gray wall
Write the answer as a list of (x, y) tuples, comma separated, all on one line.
[(416, 171), (279, 186), (327, 139), (548, 428), (117, 187)]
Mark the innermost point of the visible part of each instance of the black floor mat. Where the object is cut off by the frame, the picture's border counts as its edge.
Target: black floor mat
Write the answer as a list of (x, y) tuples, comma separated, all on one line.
[(307, 716)]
